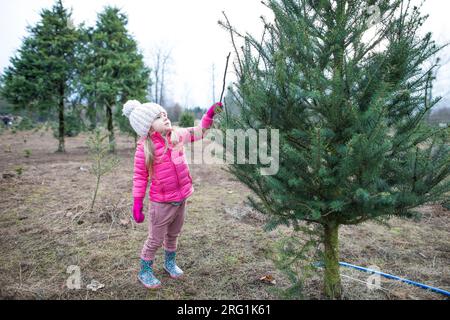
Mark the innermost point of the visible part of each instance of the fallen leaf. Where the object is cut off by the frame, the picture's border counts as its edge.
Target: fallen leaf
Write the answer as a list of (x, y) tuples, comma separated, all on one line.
[(268, 279)]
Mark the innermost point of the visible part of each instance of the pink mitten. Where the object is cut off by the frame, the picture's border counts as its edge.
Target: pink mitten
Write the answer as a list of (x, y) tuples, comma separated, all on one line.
[(215, 108), (207, 119), (137, 210)]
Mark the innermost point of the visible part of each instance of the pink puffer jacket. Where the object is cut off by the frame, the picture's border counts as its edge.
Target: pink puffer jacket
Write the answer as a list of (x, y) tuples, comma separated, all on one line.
[(171, 180)]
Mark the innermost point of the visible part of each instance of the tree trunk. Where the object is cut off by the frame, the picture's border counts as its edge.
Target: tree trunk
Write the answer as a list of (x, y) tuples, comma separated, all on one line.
[(332, 277), (157, 68), (95, 193), (61, 147), (161, 87), (92, 114), (110, 128)]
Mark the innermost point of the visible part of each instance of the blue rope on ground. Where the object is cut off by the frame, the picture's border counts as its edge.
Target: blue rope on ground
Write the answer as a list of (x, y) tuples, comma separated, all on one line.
[(390, 276)]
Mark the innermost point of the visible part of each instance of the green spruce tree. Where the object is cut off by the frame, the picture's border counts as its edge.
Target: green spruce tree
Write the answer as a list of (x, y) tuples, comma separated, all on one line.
[(87, 74), (187, 119), (346, 83), (119, 70), (42, 71)]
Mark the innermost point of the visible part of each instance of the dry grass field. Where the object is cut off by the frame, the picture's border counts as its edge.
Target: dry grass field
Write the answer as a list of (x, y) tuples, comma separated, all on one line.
[(45, 228)]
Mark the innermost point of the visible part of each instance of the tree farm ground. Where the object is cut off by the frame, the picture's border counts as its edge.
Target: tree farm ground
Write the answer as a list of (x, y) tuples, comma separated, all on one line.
[(45, 228)]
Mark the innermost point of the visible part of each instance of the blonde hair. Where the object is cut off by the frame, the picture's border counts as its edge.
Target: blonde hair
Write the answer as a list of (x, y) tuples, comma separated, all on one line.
[(149, 149)]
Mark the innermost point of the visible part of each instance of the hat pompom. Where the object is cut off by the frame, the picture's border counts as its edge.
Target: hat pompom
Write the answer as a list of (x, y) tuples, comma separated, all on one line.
[(129, 106)]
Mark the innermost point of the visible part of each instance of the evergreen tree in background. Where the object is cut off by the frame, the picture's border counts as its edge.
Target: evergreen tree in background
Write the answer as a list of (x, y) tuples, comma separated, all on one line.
[(87, 74), (197, 111), (41, 74), (118, 72), (348, 94), (187, 119)]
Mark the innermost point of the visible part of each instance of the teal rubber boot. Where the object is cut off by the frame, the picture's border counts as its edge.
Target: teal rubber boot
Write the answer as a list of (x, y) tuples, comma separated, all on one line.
[(146, 276), (170, 265)]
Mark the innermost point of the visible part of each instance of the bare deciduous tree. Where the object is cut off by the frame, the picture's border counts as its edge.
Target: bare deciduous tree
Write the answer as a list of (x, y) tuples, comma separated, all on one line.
[(161, 60), (174, 112)]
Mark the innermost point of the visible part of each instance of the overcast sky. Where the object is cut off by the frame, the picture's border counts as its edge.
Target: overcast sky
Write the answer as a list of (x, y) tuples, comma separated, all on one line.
[(190, 30)]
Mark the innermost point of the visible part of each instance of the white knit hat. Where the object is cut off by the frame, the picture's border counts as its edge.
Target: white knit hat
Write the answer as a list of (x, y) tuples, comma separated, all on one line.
[(141, 116)]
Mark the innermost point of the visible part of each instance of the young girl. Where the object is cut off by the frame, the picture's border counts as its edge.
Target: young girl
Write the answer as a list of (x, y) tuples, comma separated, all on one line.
[(160, 156)]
